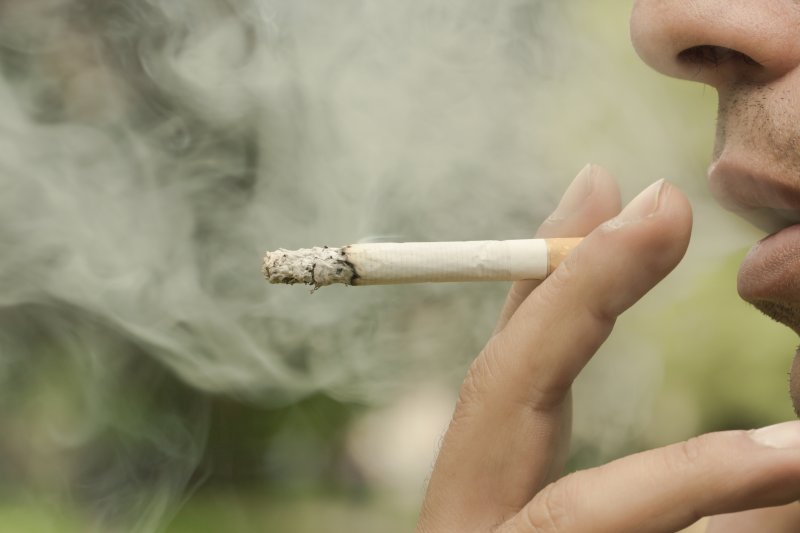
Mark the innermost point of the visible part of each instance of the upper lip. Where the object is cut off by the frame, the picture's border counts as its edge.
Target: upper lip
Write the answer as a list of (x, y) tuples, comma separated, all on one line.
[(768, 199)]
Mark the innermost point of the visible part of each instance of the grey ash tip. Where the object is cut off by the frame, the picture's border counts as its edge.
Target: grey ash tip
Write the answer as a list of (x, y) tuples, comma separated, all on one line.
[(318, 266)]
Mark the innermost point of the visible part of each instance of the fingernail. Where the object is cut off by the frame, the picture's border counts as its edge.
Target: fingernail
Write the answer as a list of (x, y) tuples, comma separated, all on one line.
[(644, 205), (784, 435), (575, 195)]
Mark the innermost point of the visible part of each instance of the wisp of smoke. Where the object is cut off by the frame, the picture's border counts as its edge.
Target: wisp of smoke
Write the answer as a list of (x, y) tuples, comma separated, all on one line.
[(150, 150)]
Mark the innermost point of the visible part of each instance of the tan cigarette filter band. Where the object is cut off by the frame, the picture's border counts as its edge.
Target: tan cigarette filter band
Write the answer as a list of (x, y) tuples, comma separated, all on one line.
[(417, 262), (557, 250)]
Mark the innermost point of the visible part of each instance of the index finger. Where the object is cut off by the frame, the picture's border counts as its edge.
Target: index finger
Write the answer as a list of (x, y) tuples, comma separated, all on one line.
[(591, 198)]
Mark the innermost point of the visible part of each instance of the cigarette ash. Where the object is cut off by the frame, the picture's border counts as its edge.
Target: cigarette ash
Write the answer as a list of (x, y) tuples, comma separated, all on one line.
[(318, 266)]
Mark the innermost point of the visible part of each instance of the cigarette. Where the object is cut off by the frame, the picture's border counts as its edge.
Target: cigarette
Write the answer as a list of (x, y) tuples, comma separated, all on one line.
[(390, 263)]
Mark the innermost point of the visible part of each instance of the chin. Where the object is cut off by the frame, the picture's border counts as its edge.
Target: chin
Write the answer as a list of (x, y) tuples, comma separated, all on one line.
[(789, 315), (794, 383), (786, 313)]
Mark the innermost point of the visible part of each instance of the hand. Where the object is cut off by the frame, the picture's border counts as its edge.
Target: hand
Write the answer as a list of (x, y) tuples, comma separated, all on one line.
[(501, 459)]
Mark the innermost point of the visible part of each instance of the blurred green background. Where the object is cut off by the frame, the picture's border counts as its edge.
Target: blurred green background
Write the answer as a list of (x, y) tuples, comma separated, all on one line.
[(690, 358)]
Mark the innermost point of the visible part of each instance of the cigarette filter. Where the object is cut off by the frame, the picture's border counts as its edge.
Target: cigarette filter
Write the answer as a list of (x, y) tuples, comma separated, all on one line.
[(417, 262)]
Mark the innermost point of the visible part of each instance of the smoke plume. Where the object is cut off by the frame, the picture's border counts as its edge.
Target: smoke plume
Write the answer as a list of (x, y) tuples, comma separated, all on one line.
[(151, 150)]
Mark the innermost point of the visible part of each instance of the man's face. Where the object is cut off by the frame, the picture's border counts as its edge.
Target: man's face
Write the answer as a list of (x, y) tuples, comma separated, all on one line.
[(749, 50)]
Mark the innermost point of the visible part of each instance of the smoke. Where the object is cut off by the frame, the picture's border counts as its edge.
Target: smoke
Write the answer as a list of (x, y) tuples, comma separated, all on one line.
[(151, 150)]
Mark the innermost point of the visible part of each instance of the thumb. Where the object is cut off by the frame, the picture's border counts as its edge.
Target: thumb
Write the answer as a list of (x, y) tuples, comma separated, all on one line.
[(779, 519), (667, 489)]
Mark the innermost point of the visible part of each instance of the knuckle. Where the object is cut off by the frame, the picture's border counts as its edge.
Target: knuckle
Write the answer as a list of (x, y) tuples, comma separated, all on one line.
[(558, 283), (521, 290), (495, 376), (685, 455), (477, 383), (551, 511)]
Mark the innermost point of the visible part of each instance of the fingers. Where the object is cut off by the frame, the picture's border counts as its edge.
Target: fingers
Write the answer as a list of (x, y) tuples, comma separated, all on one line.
[(555, 330), (667, 489), (591, 198), (505, 432)]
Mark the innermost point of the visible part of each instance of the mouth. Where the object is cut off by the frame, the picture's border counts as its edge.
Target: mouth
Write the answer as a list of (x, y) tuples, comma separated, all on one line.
[(769, 276)]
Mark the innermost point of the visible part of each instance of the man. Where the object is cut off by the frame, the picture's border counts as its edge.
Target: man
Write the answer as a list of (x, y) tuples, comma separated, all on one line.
[(500, 464)]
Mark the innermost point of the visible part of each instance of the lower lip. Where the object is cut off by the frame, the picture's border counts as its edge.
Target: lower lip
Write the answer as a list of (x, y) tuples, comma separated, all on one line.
[(771, 269)]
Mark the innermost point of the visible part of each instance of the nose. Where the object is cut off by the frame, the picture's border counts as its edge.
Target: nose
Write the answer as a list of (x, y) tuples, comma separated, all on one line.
[(718, 42)]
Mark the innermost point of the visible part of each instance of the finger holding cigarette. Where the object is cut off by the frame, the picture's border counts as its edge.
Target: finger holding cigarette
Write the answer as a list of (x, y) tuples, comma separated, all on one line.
[(514, 405), (418, 262), (592, 197)]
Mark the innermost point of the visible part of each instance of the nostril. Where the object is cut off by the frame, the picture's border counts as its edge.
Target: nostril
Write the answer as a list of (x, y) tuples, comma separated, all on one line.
[(708, 55)]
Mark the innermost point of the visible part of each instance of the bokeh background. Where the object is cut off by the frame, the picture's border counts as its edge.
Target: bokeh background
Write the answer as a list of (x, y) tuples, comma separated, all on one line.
[(150, 150)]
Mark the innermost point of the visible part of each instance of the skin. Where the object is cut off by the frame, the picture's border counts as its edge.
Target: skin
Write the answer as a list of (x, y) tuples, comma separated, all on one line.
[(501, 460)]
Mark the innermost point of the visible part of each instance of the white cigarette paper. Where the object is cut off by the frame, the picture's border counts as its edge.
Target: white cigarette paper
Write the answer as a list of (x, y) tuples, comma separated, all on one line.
[(417, 262)]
